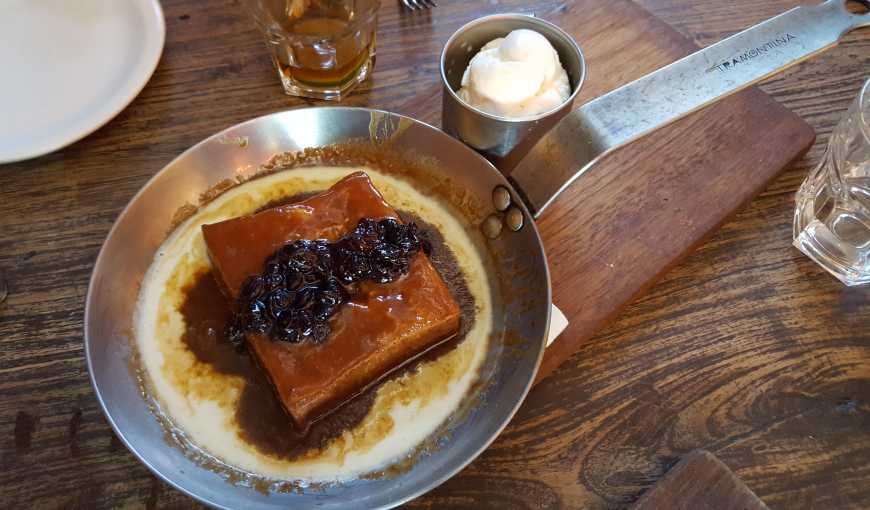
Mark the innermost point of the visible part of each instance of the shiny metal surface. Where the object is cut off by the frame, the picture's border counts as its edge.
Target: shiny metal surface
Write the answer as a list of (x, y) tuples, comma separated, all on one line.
[(129, 249), (514, 219), (501, 198), (659, 98), (501, 140), (492, 226)]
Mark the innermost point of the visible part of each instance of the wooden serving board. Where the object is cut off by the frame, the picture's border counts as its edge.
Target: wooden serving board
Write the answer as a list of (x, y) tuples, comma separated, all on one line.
[(647, 205), (699, 481)]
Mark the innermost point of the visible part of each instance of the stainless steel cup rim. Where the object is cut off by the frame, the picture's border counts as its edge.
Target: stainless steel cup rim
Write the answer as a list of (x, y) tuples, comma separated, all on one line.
[(512, 16)]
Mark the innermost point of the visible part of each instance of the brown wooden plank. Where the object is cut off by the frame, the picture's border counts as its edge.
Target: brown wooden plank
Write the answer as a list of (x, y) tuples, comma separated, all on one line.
[(699, 481)]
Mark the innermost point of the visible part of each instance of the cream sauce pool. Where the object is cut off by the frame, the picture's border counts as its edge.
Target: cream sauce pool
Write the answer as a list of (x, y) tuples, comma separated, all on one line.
[(215, 399)]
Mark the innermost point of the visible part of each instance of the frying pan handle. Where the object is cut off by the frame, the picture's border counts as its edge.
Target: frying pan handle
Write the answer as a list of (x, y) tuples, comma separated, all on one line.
[(661, 97)]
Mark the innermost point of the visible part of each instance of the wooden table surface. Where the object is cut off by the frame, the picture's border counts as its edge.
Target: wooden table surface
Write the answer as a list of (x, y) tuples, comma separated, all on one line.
[(746, 349)]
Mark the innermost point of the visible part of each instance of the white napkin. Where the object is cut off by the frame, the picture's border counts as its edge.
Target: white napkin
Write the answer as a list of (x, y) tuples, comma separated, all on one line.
[(558, 323)]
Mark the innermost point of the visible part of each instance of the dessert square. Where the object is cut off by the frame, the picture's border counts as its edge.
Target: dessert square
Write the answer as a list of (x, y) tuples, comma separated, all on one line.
[(381, 326)]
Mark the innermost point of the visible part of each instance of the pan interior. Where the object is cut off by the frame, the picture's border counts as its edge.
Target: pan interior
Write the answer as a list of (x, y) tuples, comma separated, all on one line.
[(439, 167), (204, 399)]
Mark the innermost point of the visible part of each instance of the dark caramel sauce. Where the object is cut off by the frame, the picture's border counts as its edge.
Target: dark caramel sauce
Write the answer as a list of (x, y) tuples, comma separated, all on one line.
[(262, 420)]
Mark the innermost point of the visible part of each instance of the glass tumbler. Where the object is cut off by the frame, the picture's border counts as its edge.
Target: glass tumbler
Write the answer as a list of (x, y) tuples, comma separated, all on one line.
[(322, 48), (832, 218)]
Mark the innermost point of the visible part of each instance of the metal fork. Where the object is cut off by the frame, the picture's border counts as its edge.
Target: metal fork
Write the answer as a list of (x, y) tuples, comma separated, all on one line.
[(415, 5)]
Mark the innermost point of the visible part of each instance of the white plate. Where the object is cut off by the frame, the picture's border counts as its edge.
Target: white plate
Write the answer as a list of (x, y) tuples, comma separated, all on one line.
[(71, 66)]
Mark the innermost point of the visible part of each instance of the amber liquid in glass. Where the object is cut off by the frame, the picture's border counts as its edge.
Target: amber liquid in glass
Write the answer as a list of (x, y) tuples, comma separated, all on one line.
[(329, 50)]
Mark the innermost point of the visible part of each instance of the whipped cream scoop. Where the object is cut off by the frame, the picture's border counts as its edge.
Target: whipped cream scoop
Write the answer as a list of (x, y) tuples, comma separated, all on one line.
[(516, 76)]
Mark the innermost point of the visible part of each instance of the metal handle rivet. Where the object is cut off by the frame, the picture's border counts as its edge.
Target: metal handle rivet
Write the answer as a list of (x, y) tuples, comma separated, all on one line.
[(501, 198), (514, 219), (492, 226)]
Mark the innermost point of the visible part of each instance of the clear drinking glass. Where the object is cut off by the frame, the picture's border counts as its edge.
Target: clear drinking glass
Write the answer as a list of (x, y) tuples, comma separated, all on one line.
[(832, 219), (322, 48)]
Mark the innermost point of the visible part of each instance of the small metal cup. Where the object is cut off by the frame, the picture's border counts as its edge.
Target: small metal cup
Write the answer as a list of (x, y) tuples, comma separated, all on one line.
[(502, 140)]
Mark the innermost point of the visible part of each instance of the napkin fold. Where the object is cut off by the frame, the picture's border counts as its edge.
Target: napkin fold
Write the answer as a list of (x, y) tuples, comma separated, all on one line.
[(558, 323)]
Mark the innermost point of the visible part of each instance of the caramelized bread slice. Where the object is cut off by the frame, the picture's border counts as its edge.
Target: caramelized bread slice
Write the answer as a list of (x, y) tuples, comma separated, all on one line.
[(381, 328)]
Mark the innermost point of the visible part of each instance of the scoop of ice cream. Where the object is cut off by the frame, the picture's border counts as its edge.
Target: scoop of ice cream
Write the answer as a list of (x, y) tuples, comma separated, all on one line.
[(515, 76)]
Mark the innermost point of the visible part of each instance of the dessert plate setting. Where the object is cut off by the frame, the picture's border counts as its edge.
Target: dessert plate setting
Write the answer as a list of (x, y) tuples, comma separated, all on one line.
[(72, 68), (500, 212)]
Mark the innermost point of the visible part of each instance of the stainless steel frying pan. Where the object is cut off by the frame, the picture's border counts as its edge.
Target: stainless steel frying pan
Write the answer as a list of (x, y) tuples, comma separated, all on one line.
[(508, 369), (482, 195)]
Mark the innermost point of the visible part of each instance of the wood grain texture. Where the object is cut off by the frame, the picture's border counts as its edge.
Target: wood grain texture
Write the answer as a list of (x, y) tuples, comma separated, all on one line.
[(746, 348), (699, 481)]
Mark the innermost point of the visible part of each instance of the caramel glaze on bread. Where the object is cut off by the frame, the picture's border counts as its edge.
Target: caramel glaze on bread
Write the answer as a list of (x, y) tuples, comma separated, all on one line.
[(381, 328)]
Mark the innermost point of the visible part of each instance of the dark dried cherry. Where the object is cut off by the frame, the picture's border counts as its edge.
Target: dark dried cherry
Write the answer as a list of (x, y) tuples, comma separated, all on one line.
[(305, 282)]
